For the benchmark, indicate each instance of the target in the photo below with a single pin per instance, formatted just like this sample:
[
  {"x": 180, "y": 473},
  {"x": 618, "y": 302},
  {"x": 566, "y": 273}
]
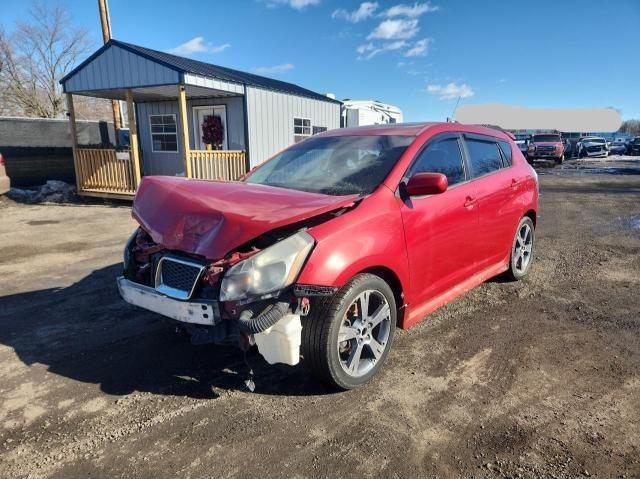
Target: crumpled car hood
[{"x": 211, "y": 218}]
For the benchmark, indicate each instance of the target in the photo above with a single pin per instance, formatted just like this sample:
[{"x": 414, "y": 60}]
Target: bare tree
[
  {"x": 34, "y": 58},
  {"x": 630, "y": 126}
]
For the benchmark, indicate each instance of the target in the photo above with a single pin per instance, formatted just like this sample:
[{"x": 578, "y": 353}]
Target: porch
[
  {"x": 116, "y": 173},
  {"x": 165, "y": 107}
]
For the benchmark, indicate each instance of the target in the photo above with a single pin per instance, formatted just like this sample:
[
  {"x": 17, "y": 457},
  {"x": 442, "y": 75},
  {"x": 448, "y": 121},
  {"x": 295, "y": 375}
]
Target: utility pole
[{"x": 106, "y": 36}]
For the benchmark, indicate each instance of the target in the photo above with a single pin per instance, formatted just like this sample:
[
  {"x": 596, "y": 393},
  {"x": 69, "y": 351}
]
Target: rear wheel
[
  {"x": 347, "y": 339},
  {"x": 521, "y": 250}
]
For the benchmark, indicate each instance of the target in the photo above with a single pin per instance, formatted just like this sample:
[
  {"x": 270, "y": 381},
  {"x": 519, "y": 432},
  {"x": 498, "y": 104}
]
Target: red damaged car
[{"x": 323, "y": 250}]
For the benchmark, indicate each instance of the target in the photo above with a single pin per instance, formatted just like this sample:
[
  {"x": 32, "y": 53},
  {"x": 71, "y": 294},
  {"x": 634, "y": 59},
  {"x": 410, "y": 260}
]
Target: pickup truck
[{"x": 546, "y": 146}]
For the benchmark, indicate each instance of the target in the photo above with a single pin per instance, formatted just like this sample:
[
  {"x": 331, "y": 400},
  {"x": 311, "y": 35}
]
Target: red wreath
[{"x": 212, "y": 131}]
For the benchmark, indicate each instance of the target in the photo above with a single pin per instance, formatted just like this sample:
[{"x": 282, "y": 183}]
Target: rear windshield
[
  {"x": 543, "y": 138},
  {"x": 338, "y": 165}
]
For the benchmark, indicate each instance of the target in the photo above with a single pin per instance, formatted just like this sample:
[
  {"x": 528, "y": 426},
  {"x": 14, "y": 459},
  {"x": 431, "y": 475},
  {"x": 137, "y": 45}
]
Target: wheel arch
[
  {"x": 391, "y": 278},
  {"x": 533, "y": 216}
]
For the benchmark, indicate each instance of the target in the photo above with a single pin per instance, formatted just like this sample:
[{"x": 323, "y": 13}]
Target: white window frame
[
  {"x": 197, "y": 131},
  {"x": 303, "y": 135},
  {"x": 151, "y": 133}
]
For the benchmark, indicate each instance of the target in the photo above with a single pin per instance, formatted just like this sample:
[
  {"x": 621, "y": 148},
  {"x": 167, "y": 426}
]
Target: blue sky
[{"x": 421, "y": 56}]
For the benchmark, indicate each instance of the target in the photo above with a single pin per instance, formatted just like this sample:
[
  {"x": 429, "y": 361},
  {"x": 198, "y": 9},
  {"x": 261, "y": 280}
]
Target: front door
[
  {"x": 200, "y": 113},
  {"x": 441, "y": 229}
]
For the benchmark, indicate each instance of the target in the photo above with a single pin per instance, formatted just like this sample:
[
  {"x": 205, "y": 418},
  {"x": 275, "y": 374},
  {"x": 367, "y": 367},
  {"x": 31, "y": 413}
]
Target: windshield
[
  {"x": 543, "y": 138},
  {"x": 333, "y": 165}
]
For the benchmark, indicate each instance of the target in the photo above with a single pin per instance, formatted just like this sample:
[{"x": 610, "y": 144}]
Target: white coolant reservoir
[{"x": 281, "y": 342}]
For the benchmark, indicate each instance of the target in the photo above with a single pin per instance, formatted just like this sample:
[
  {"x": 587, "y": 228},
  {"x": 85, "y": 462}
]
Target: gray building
[{"x": 171, "y": 96}]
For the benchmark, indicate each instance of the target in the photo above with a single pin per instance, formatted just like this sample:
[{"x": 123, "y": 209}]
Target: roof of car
[{"x": 413, "y": 129}]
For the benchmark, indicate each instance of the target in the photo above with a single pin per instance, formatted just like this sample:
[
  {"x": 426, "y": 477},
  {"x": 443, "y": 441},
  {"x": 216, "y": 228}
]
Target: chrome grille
[
  {"x": 177, "y": 277},
  {"x": 545, "y": 148}
]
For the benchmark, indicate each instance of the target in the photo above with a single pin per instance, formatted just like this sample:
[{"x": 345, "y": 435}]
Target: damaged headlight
[
  {"x": 272, "y": 269},
  {"x": 128, "y": 247}
]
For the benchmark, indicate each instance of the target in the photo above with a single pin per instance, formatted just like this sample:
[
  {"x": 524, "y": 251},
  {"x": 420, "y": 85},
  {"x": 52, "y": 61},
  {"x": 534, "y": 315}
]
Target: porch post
[
  {"x": 74, "y": 138},
  {"x": 184, "y": 129},
  {"x": 133, "y": 137}
]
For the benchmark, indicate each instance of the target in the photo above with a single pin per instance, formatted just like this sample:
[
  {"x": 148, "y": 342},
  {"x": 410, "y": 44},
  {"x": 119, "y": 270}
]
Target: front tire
[
  {"x": 346, "y": 339},
  {"x": 521, "y": 250},
  {"x": 560, "y": 160}
]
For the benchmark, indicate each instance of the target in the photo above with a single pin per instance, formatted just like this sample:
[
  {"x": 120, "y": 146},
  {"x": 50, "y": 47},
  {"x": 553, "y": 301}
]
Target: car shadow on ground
[{"x": 85, "y": 332}]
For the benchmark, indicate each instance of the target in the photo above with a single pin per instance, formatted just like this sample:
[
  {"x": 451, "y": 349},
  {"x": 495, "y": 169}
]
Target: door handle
[{"x": 470, "y": 202}]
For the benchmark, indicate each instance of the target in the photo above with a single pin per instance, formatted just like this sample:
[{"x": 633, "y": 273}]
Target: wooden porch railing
[
  {"x": 103, "y": 172},
  {"x": 227, "y": 165}
]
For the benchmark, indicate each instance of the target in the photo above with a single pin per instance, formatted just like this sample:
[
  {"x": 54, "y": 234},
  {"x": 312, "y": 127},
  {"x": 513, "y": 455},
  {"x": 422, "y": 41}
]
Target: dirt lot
[{"x": 533, "y": 379}]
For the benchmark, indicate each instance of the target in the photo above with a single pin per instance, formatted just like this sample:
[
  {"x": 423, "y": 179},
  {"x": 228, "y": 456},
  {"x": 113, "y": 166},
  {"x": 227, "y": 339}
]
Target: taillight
[{"x": 1, "y": 160}]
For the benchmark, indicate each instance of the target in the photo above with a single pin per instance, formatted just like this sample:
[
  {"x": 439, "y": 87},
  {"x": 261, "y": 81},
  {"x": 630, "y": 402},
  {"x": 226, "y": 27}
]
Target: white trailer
[{"x": 369, "y": 112}]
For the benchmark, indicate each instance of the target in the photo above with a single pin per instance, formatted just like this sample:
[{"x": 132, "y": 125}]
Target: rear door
[
  {"x": 440, "y": 229},
  {"x": 497, "y": 185}
]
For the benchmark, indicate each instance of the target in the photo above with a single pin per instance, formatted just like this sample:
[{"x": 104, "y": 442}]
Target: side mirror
[{"x": 422, "y": 184}]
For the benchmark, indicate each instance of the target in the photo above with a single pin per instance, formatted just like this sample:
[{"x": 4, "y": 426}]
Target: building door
[{"x": 199, "y": 115}]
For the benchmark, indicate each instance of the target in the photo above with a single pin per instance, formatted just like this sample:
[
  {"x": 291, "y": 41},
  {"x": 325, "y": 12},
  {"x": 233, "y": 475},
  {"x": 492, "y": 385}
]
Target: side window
[
  {"x": 483, "y": 156},
  {"x": 441, "y": 156},
  {"x": 505, "y": 146}
]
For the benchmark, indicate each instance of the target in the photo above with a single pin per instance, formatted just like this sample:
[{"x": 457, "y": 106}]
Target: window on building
[
  {"x": 484, "y": 156},
  {"x": 441, "y": 156},
  {"x": 164, "y": 133},
  {"x": 319, "y": 129},
  {"x": 506, "y": 152},
  {"x": 301, "y": 129}
]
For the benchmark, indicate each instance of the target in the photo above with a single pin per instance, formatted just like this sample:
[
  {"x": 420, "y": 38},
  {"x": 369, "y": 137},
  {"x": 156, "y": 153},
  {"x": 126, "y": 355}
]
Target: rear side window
[
  {"x": 483, "y": 156},
  {"x": 506, "y": 152},
  {"x": 441, "y": 156}
]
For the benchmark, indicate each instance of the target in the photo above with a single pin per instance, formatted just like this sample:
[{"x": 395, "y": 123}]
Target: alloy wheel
[
  {"x": 364, "y": 333},
  {"x": 523, "y": 248}
]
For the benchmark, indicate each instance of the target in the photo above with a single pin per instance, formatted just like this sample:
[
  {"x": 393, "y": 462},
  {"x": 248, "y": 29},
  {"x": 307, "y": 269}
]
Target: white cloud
[
  {"x": 370, "y": 50},
  {"x": 296, "y": 4},
  {"x": 198, "y": 45},
  {"x": 451, "y": 91},
  {"x": 419, "y": 48},
  {"x": 395, "y": 29},
  {"x": 275, "y": 69},
  {"x": 364, "y": 11},
  {"x": 412, "y": 11}
]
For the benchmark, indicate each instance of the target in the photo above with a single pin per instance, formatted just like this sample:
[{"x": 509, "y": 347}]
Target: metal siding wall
[
  {"x": 158, "y": 163},
  {"x": 119, "y": 68},
  {"x": 271, "y": 114}
]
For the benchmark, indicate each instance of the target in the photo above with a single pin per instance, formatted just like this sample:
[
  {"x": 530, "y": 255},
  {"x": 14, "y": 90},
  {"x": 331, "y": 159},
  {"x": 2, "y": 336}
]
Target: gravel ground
[{"x": 533, "y": 379}]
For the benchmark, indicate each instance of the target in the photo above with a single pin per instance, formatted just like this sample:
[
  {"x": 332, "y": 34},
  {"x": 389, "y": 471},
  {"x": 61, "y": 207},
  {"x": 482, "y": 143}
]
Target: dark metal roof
[{"x": 187, "y": 65}]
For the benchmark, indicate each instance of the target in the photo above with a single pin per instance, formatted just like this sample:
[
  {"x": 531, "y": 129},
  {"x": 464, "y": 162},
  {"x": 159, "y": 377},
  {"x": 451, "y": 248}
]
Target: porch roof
[{"x": 118, "y": 66}]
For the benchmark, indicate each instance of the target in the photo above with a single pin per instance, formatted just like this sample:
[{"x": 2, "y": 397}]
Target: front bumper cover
[{"x": 194, "y": 312}]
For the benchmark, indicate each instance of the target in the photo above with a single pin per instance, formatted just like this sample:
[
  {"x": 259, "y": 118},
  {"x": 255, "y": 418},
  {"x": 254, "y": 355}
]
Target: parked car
[
  {"x": 523, "y": 146},
  {"x": 619, "y": 146},
  {"x": 328, "y": 246},
  {"x": 592, "y": 146},
  {"x": 546, "y": 146},
  {"x": 5, "y": 183},
  {"x": 634, "y": 146}
]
